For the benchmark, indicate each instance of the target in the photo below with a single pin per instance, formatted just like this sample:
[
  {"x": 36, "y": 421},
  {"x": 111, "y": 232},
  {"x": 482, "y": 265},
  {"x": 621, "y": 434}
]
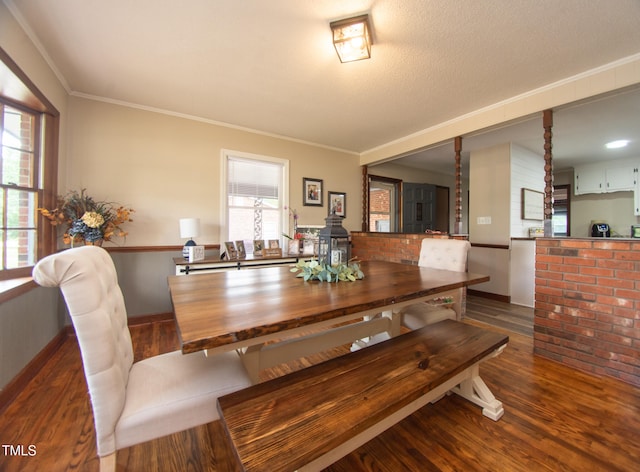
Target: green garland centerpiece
[{"x": 314, "y": 270}]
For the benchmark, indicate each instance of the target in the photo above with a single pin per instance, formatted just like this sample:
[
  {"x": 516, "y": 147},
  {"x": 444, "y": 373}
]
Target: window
[
  {"x": 383, "y": 204},
  {"x": 256, "y": 195},
  {"x": 19, "y": 178},
  {"x": 28, "y": 171}
]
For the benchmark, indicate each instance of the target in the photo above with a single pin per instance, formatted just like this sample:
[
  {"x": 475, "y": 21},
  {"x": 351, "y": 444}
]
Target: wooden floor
[
  {"x": 556, "y": 419},
  {"x": 515, "y": 318}
]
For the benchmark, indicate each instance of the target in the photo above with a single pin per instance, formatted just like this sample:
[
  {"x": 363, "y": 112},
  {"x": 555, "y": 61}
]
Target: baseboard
[
  {"x": 489, "y": 295},
  {"x": 20, "y": 381}
]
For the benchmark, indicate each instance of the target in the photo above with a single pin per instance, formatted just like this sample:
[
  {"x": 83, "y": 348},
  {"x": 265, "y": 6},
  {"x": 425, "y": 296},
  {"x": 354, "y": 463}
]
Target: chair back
[
  {"x": 448, "y": 254},
  {"x": 88, "y": 280}
]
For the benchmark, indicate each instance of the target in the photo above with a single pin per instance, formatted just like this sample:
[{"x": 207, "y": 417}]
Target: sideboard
[{"x": 208, "y": 265}]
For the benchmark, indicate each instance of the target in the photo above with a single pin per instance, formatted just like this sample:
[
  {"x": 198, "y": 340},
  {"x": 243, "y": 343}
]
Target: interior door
[{"x": 418, "y": 206}]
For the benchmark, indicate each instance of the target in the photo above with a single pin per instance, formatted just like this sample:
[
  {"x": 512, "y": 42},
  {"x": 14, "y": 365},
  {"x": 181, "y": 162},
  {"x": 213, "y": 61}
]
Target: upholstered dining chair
[
  {"x": 132, "y": 402},
  {"x": 436, "y": 253}
]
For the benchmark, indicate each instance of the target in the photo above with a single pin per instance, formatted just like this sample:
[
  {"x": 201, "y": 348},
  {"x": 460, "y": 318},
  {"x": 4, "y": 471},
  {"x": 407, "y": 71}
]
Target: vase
[{"x": 97, "y": 242}]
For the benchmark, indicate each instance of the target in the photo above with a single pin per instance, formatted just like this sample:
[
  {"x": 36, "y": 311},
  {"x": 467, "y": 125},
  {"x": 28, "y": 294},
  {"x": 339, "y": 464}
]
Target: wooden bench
[{"x": 313, "y": 417}]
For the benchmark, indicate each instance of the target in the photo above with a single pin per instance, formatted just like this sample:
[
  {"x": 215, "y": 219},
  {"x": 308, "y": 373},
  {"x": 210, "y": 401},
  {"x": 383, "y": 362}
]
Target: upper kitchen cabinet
[
  {"x": 621, "y": 178},
  {"x": 602, "y": 178},
  {"x": 589, "y": 179}
]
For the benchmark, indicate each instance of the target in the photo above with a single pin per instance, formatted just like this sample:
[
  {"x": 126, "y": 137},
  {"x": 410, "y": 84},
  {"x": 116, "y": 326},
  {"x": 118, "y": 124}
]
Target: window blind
[{"x": 253, "y": 178}]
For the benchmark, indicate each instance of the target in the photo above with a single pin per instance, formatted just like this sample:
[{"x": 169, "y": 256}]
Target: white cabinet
[
  {"x": 599, "y": 178},
  {"x": 589, "y": 179},
  {"x": 636, "y": 198},
  {"x": 621, "y": 178}
]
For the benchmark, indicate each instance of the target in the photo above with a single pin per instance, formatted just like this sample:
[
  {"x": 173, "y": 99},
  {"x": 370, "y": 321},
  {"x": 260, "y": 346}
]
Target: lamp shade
[{"x": 189, "y": 227}]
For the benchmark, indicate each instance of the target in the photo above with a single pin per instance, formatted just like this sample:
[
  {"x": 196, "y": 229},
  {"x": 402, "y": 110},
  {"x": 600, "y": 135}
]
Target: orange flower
[{"x": 87, "y": 219}]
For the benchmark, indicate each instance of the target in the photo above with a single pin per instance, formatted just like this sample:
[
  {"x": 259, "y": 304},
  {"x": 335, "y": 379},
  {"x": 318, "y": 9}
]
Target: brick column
[{"x": 587, "y": 308}]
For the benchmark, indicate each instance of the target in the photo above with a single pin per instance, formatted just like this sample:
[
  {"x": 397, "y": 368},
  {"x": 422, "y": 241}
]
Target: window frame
[
  {"x": 21, "y": 93},
  {"x": 395, "y": 203},
  {"x": 228, "y": 154}
]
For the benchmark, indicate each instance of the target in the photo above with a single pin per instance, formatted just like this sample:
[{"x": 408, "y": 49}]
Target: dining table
[{"x": 271, "y": 316}]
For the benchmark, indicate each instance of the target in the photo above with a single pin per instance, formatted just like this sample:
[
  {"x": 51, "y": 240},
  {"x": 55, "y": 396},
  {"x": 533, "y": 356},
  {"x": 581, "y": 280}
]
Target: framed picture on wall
[
  {"x": 337, "y": 203},
  {"x": 532, "y": 205},
  {"x": 311, "y": 192}
]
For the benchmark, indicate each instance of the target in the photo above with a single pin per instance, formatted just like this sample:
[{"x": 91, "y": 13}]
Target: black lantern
[{"x": 334, "y": 246}]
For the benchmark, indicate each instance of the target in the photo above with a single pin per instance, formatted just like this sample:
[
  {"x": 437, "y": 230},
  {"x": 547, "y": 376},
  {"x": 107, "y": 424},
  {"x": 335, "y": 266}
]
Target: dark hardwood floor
[{"x": 556, "y": 419}]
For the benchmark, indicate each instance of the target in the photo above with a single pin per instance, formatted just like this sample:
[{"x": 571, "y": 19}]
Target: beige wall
[
  {"x": 167, "y": 167},
  {"x": 490, "y": 201},
  {"x": 490, "y": 195},
  {"x": 22, "y": 51}
]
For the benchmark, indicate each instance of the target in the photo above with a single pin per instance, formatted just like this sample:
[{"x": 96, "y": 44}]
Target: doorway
[{"x": 561, "y": 210}]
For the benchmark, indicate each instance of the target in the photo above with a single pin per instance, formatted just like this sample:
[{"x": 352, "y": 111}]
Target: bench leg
[
  {"x": 251, "y": 360},
  {"x": 476, "y": 391}
]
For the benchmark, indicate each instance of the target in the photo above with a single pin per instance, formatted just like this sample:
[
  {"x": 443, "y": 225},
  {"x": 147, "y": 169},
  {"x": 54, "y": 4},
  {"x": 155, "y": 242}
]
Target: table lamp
[{"x": 189, "y": 229}]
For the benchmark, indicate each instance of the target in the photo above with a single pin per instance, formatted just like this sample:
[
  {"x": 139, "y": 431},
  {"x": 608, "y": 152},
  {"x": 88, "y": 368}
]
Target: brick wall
[
  {"x": 379, "y": 207},
  {"x": 394, "y": 247},
  {"x": 587, "y": 308}
]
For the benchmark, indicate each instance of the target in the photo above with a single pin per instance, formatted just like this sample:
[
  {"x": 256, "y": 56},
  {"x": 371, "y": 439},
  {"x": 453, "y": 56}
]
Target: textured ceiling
[{"x": 270, "y": 66}]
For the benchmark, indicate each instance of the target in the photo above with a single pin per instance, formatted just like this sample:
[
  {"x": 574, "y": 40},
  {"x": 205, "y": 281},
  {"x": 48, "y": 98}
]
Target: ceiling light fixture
[
  {"x": 352, "y": 38},
  {"x": 620, "y": 143}
]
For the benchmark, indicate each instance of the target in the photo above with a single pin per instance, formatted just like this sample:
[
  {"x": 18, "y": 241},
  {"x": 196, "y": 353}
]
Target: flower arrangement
[
  {"x": 87, "y": 220},
  {"x": 314, "y": 270}
]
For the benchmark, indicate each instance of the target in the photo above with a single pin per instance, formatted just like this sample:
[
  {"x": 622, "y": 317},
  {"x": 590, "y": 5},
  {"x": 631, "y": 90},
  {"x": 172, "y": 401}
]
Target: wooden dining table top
[{"x": 225, "y": 308}]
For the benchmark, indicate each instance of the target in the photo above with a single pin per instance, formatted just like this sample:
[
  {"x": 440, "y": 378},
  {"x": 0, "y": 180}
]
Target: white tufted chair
[
  {"x": 132, "y": 403},
  {"x": 448, "y": 254}
]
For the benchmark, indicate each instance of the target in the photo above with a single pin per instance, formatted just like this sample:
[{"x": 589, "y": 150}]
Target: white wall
[{"x": 527, "y": 171}]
